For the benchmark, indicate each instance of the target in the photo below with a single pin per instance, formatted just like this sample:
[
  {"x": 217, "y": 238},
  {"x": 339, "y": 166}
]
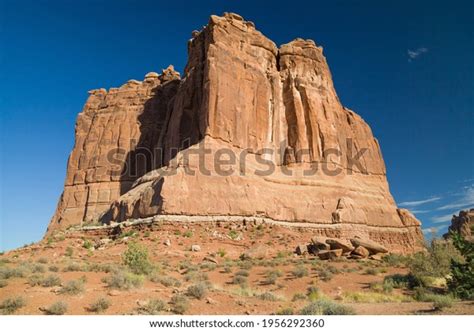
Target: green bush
[
  {"x": 179, "y": 304},
  {"x": 136, "y": 258},
  {"x": 87, "y": 244},
  {"x": 99, "y": 306},
  {"x": 69, "y": 251},
  {"x": 435, "y": 262},
  {"x": 57, "y": 308},
  {"x": 11, "y": 305},
  {"x": 402, "y": 281},
  {"x": 240, "y": 280},
  {"x": 442, "y": 301},
  {"x": 325, "y": 275},
  {"x": 326, "y": 307},
  {"x": 123, "y": 280},
  {"x": 461, "y": 283},
  {"x": 313, "y": 293},
  {"x": 285, "y": 311}
]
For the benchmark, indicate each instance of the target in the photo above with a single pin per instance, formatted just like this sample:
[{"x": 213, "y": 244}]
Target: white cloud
[
  {"x": 413, "y": 54},
  {"x": 435, "y": 229},
  {"x": 466, "y": 200},
  {"x": 442, "y": 218},
  {"x": 418, "y": 202}
]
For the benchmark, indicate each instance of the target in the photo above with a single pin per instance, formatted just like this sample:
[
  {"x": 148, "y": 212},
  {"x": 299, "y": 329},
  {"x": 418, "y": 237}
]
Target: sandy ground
[{"x": 224, "y": 297}]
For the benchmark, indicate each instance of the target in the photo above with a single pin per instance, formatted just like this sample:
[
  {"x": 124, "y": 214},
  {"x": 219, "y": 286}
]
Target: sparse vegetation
[
  {"x": 73, "y": 287},
  {"x": 325, "y": 275},
  {"x": 188, "y": 234},
  {"x": 69, "y": 251},
  {"x": 300, "y": 271},
  {"x": 3, "y": 283},
  {"x": 179, "y": 304},
  {"x": 198, "y": 290},
  {"x": 374, "y": 297},
  {"x": 221, "y": 252},
  {"x": 53, "y": 268},
  {"x": 11, "y": 305},
  {"x": 136, "y": 258},
  {"x": 298, "y": 297},
  {"x": 42, "y": 260},
  {"x": 153, "y": 307},
  {"x": 122, "y": 280},
  {"x": 272, "y": 276},
  {"x": 267, "y": 296},
  {"x": 326, "y": 307},
  {"x": 165, "y": 280},
  {"x": 233, "y": 234},
  {"x": 99, "y": 306},
  {"x": 57, "y": 308},
  {"x": 87, "y": 244},
  {"x": 285, "y": 311},
  {"x": 73, "y": 267},
  {"x": 313, "y": 293}
]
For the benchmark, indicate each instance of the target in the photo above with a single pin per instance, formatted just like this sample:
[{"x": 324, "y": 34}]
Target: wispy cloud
[
  {"x": 413, "y": 54},
  {"x": 466, "y": 200},
  {"x": 442, "y": 218},
  {"x": 418, "y": 202},
  {"x": 420, "y": 211}
]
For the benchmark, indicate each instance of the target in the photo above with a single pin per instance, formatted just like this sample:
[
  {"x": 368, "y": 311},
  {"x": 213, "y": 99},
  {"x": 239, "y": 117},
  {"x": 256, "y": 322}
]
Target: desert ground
[{"x": 202, "y": 269}]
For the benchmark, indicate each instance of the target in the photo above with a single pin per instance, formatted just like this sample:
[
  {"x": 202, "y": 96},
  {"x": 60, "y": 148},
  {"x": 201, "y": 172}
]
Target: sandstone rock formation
[
  {"x": 149, "y": 148},
  {"x": 463, "y": 224}
]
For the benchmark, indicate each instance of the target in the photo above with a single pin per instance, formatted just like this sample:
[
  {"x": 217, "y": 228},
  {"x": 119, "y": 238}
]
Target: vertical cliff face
[{"x": 300, "y": 157}]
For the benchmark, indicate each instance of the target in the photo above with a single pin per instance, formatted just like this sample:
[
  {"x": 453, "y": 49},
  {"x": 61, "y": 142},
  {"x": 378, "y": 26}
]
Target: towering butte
[{"x": 295, "y": 156}]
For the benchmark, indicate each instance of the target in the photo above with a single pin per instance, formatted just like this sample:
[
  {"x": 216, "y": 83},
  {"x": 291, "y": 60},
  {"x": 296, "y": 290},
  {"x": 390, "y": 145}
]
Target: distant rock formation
[
  {"x": 463, "y": 224},
  {"x": 150, "y": 148}
]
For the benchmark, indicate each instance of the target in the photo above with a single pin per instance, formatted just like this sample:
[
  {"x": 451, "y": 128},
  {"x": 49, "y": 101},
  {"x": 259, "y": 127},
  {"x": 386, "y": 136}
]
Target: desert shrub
[
  {"x": 87, "y": 244},
  {"x": 374, "y": 297},
  {"x": 35, "y": 280},
  {"x": 285, "y": 311},
  {"x": 243, "y": 273},
  {"x": 123, "y": 280},
  {"x": 74, "y": 267},
  {"x": 272, "y": 276},
  {"x": 394, "y": 260},
  {"x": 50, "y": 281},
  {"x": 18, "y": 272},
  {"x": 326, "y": 307},
  {"x": 136, "y": 258},
  {"x": 11, "y": 305},
  {"x": 208, "y": 265},
  {"x": 42, "y": 260},
  {"x": 221, "y": 252},
  {"x": 98, "y": 267},
  {"x": 99, "y": 306},
  {"x": 245, "y": 264},
  {"x": 401, "y": 281},
  {"x": 325, "y": 275},
  {"x": 195, "y": 276},
  {"x": 125, "y": 234},
  {"x": 442, "y": 301},
  {"x": 233, "y": 234},
  {"x": 3, "y": 283},
  {"x": 372, "y": 271},
  {"x": 69, "y": 251},
  {"x": 435, "y": 262},
  {"x": 53, "y": 268},
  {"x": 298, "y": 297},
  {"x": 165, "y": 280},
  {"x": 57, "y": 308},
  {"x": 240, "y": 280},
  {"x": 188, "y": 234},
  {"x": 299, "y": 271},
  {"x": 179, "y": 304},
  {"x": 73, "y": 287},
  {"x": 198, "y": 290},
  {"x": 382, "y": 287},
  {"x": 313, "y": 293},
  {"x": 461, "y": 283},
  {"x": 153, "y": 307},
  {"x": 267, "y": 296}
]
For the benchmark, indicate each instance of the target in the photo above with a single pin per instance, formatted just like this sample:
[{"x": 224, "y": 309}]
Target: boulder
[
  {"x": 258, "y": 252},
  {"x": 370, "y": 245},
  {"x": 195, "y": 248},
  {"x": 320, "y": 243},
  {"x": 301, "y": 249},
  {"x": 330, "y": 255},
  {"x": 345, "y": 245},
  {"x": 360, "y": 251}
]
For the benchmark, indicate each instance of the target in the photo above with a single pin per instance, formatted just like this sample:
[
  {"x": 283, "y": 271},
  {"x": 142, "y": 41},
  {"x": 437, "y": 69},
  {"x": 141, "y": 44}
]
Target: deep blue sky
[{"x": 420, "y": 108}]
